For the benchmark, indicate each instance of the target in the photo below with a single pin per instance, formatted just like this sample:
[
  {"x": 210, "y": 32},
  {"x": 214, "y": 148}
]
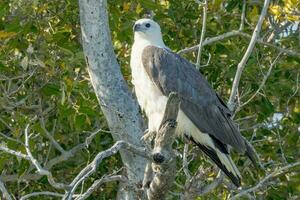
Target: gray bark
[
  {"x": 117, "y": 103},
  {"x": 164, "y": 165}
]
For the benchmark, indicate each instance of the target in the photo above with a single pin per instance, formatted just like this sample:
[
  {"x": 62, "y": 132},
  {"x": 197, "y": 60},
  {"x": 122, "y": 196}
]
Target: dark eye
[{"x": 148, "y": 25}]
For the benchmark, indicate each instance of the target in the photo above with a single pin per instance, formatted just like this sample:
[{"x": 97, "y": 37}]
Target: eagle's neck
[{"x": 154, "y": 40}]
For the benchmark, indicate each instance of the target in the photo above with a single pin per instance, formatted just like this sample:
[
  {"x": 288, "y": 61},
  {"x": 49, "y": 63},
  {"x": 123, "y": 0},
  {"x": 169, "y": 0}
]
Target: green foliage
[{"x": 43, "y": 75}]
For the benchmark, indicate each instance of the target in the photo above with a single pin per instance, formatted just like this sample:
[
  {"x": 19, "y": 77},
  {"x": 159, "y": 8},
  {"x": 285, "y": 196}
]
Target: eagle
[{"x": 203, "y": 117}]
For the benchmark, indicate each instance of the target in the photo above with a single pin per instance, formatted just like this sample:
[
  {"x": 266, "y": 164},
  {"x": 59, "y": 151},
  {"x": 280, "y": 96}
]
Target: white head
[{"x": 149, "y": 31}]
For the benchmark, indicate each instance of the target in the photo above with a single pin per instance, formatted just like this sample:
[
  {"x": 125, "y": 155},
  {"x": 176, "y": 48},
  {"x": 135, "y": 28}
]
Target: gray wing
[{"x": 172, "y": 73}]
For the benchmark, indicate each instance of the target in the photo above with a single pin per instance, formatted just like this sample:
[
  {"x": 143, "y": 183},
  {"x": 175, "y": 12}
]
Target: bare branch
[
  {"x": 262, "y": 83},
  {"x": 202, "y": 34},
  {"x": 32, "y": 159},
  {"x": 280, "y": 49},
  {"x": 74, "y": 150},
  {"x": 92, "y": 167},
  {"x": 196, "y": 185},
  {"x": 37, "y": 165},
  {"x": 99, "y": 182},
  {"x": 10, "y": 138},
  {"x": 210, "y": 187},
  {"x": 208, "y": 41},
  {"x": 5, "y": 193},
  {"x": 243, "y": 16},
  {"x": 280, "y": 142},
  {"x": 185, "y": 162},
  {"x": 15, "y": 153},
  {"x": 46, "y": 193},
  {"x": 63, "y": 157},
  {"x": 164, "y": 165},
  {"x": 261, "y": 183},
  {"x": 23, "y": 83},
  {"x": 89, "y": 139},
  {"x": 223, "y": 36},
  {"x": 16, "y": 177},
  {"x": 50, "y": 137},
  {"x": 246, "y": 56},
  {"x": 295, "y": 92}
]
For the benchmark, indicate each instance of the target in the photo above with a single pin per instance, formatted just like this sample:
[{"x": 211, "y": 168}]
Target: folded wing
[{"x": 172, "y": 73}]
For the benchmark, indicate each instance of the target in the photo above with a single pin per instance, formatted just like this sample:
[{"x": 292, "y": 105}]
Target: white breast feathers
[{"x": 151, "y": 100}]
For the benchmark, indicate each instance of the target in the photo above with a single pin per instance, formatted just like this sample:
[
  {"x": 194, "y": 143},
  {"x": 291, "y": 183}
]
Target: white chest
[{"x": 151, "y": 100}]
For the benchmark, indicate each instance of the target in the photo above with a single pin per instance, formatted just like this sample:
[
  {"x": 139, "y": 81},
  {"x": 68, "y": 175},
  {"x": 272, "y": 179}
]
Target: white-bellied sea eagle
[{"x": 203, "y": 117}]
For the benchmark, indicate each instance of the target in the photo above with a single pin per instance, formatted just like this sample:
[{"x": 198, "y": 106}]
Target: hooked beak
[{"x": 137, "y": 27}]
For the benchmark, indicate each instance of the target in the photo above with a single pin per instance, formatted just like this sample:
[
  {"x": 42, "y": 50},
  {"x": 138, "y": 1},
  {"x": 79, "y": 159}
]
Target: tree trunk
[{"x": 117, "y": 103}]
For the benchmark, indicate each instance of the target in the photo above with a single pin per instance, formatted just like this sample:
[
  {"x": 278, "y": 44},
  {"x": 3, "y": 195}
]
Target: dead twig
[
  {"x": 202, "y": 34},
  {"x": 5, "y": 193},
  {"x": 246, "y": 56},
  {"x": 262, "y": 83},
  {"x": 46, "y": 193},
  {"x": 261, "y": 183},
  {"x": 99, "y": 182},
  {"x": 92, "y": 167},
  {"x": 37, "y": 165}
]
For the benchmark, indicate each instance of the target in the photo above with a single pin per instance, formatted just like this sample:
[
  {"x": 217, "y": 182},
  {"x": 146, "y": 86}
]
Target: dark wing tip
[
  {"x": 224, "y": 129},
  {"x": 252, "y": 155},
  {"x": 212, "y": 154}
]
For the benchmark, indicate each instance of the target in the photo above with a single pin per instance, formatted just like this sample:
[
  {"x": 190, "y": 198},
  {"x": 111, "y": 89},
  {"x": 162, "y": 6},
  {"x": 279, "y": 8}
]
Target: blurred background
[{"x": 44, "y": 81}]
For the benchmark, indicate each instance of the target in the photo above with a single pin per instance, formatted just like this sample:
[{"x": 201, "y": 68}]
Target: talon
[
  {"x": 172, "y": 123},
  {"x": 148, "y": 135},
  {"x": 146, "y": 131}
]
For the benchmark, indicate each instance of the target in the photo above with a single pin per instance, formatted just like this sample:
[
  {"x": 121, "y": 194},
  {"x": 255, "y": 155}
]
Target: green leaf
[
  {"x": 51, "y": 89},
  {"x": 231, "y": 5}
]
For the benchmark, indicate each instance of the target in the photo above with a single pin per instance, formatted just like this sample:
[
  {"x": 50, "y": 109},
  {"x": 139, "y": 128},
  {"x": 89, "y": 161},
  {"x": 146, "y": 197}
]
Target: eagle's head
[{"x": 147, "y": 29}]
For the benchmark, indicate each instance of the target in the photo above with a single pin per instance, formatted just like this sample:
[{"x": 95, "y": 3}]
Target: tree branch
[
  {"x": 208, "y": 41},
  {"x": 37, "y": 165},
  {"x": 27, "y": 196},
  {"x": 63, "y": 157},
  {"x": 117, "y": 103},
  {"x": 32, "y": 159},
  {"x": 15, "y": 153},
  {"x": 92, "y": 167},
  {"x": 280, "y": 49},
  {"x": 50, "y": 137},
  {"x": 223, "y": 36},
  {"x": 164, "y": 165},
  {"x": 185, "y": 162},
  {"x": 262, "y": 83},
  {"x": 202, "y": 34},
  {"x": 196, "y": 185},
  {"x": 99, "y": 182},
  {"x": 210, "y": 187},
  {"x": 246, "y": 56},
  {"x": 277, "y": 172},
  {"x": 5, "y": 193},
  {"x": 243, "y": 16}
]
